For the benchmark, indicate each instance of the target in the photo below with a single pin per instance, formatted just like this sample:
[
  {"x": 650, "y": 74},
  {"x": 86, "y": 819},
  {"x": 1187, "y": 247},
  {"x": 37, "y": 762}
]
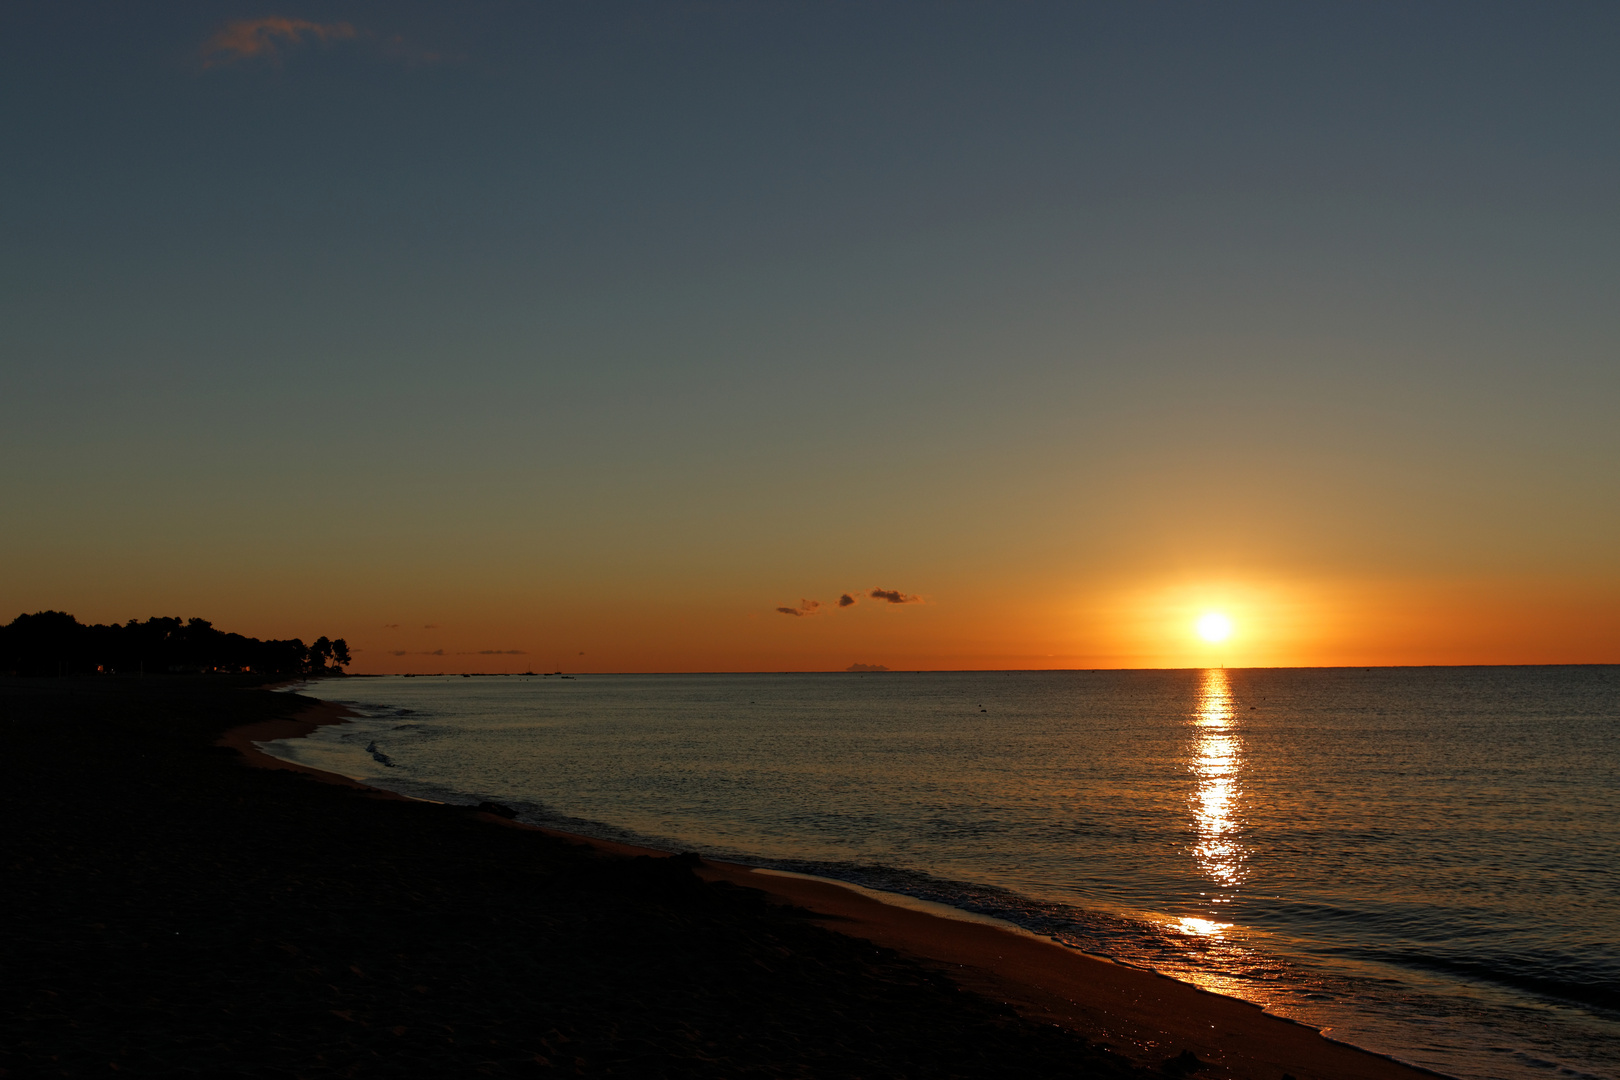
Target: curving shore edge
[{"x": 1145, "y": 1017}]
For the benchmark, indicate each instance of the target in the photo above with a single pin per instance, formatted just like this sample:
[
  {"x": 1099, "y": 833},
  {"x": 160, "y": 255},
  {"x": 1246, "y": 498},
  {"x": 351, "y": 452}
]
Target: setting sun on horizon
[
  {"x": 1028, "y": 341},
  {"x": 1095, "y": 456}
]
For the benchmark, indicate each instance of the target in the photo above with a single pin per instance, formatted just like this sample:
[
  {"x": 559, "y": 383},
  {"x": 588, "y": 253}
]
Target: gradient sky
[{"x": 496, "y": 336}]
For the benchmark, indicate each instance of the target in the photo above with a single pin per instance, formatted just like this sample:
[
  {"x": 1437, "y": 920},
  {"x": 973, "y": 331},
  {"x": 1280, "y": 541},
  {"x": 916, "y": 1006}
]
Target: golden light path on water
[
  {"x": 1217, "y": 759},
  {"x": 1216, "y": 762}
]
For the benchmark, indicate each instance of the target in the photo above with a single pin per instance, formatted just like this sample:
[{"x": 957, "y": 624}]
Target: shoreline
[{"x": 1146, "y": 1017}]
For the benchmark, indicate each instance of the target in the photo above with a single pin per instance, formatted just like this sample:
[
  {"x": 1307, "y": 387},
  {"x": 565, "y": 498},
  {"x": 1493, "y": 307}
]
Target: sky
[{"x": 498, "y": 336}]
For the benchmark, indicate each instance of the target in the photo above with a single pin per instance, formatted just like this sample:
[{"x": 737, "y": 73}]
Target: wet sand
[{"x": 1143, "y": 1016}]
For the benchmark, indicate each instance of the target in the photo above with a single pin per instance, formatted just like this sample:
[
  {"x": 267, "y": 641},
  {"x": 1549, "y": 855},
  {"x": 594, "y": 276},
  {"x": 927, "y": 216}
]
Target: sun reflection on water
[
  {"x": 1201, "y": 927},
  {"x": 1216, "y": 762},
  {"x": 1217, "y": 952}
]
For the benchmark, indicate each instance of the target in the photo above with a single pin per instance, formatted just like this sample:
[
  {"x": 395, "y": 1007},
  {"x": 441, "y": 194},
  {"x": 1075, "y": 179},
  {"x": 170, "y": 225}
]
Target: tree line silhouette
[{"x": 55, "y": 643}]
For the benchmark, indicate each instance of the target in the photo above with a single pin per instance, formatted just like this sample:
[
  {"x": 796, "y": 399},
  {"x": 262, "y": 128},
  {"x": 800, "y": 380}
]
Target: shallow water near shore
[{"x": 1424, "y": 861}]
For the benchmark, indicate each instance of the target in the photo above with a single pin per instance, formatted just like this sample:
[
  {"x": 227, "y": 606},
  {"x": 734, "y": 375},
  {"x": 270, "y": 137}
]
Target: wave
[
  {"x": 1560, "y": 978},
  {"x": 1471, "y": 969}
]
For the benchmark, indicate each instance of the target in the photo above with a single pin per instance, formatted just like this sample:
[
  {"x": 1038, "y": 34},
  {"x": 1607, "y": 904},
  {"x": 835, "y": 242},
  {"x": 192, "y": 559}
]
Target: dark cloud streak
[{"x": 894, "y": 596}]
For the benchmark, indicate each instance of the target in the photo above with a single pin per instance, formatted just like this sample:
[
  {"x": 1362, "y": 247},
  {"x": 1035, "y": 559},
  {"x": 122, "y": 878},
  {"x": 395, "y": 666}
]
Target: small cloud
[
  {"x": 391, "y": 626},
  {"x": 806, "y": 607},
  {"x": 396, "y": 652},
  {"x": 246, "y": 39},
  {"x": 430, "y": 626},
  {"x": 866, "y": 667},
  {"x": 846, "y": 601},
  {"x": 435, "y": 652},
  {"x": 894, "y": 596},
  {"x": 495, "y": 652}
]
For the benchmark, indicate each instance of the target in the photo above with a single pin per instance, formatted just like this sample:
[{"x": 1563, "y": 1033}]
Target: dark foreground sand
[{"x": 167, "y": 911}]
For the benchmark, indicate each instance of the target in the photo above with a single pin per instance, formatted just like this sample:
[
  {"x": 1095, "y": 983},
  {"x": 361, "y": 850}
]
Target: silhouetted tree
[{"x": 55, "y": 643}]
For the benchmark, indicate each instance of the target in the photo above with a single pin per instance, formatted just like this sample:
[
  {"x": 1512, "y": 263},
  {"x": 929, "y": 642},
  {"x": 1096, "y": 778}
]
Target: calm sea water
[{"x": 1424, "y": 861}]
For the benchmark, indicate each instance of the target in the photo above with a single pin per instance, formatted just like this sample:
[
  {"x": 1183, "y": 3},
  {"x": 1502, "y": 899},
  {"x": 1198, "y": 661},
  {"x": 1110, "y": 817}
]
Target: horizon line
[{"x": 967, "y": 671}]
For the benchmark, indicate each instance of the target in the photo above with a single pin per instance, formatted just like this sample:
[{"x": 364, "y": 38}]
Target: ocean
[{"x": 1423, "y": 861}]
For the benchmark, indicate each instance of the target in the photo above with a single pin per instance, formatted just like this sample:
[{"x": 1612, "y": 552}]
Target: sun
[{"x": 1214, "y": 627}]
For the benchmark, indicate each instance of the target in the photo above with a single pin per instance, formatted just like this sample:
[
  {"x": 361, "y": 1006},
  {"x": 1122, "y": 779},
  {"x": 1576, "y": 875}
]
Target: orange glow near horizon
[
  {"x": 968, "y": 623},
  {"x": 1232, "y": 623},
  {"x": 1316, "y": 622}
]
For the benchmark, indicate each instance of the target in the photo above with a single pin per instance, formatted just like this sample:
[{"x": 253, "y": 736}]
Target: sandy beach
[
  {"x": 1141, "y": 1015},
  {"x": 171, "y": 910}
]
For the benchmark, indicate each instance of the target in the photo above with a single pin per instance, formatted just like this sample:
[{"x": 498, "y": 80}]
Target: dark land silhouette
[
  {"x": 169, "y": 911},
  {"x": 55, "y": 643}
]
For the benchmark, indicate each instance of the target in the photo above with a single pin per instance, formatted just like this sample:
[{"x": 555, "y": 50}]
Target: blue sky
[{"x": 644, "y": 319}]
